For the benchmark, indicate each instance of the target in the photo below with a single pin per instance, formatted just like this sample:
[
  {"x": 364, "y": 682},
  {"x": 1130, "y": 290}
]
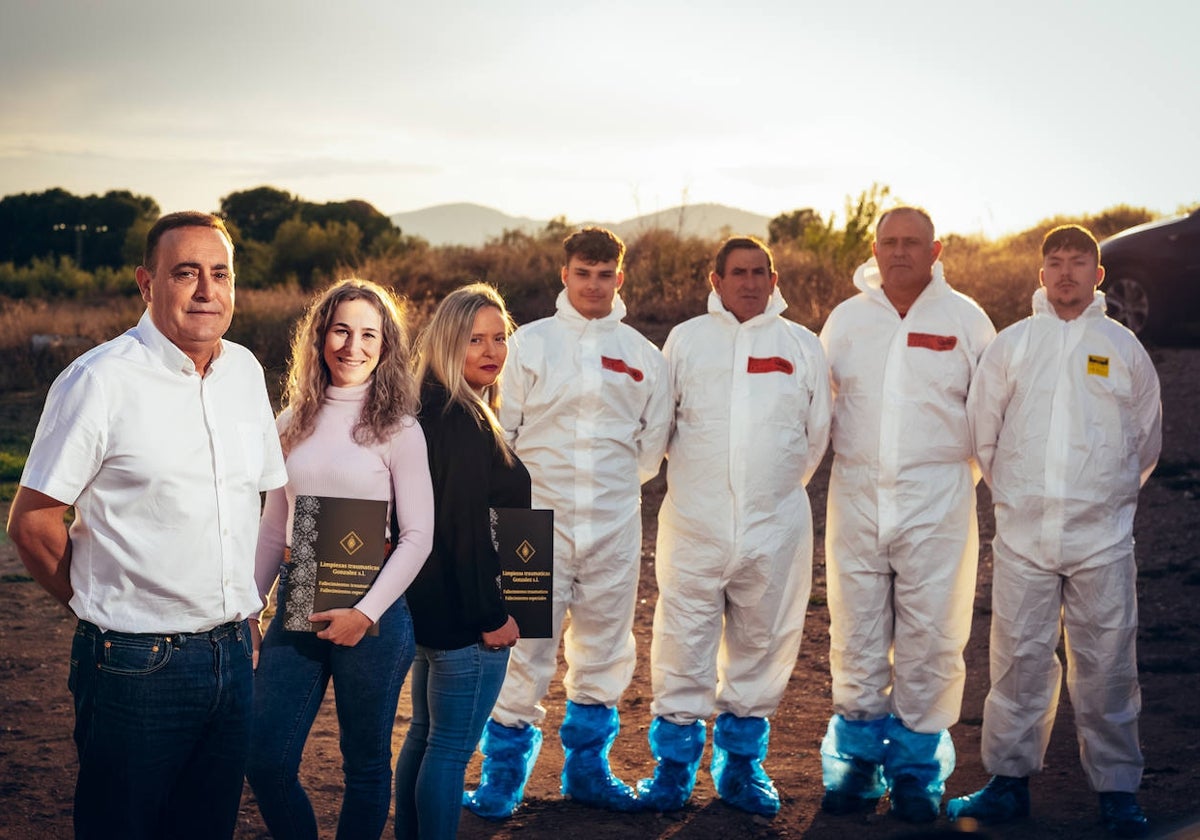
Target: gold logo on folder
[
  {"x": 351, "y": 543},
  {"x": 525, "y": 551}
]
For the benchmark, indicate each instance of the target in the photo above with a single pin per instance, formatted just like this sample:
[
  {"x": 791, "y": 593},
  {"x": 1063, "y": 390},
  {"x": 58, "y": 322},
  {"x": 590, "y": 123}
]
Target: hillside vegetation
[{"x": 286, "y": 248}]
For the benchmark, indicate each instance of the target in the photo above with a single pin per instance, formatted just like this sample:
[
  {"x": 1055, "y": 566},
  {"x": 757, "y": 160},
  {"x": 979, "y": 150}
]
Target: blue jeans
[
  {"x": 162, "y": 725},
  {"x": 453, "y": 694},
  {"x": 294, "y": 669}
]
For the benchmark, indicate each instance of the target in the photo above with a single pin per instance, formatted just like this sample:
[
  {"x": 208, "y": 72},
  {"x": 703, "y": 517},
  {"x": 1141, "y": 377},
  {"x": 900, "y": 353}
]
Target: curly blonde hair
[
  {"x": 442, "y": 355},
  {"x": 393, "y": 393}
]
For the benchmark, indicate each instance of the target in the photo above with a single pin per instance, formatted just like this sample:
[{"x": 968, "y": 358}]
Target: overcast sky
[{"x": 993, "y": 116}]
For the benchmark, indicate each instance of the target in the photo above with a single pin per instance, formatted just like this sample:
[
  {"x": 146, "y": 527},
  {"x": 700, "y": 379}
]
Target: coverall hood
[
  {"x": 867, "y": 278},
  {"x": 1043, "y": 308},
  {"x": 565, "y": 310},
  {"x": 775, "y": 306}
]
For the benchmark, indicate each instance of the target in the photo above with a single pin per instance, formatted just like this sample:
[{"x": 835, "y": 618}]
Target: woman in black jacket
[{"x": 462, "y": 628}]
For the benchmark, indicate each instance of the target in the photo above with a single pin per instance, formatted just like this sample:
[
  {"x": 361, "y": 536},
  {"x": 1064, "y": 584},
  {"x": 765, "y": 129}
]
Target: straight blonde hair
[{"x": 442, "y": 355}]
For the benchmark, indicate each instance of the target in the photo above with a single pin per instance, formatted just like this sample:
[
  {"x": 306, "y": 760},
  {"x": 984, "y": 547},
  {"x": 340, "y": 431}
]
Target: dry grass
[
  {"x": 98, "y": 321},
  {"x": 666, "y": 283},
  {"x": 262, "y": 322}
]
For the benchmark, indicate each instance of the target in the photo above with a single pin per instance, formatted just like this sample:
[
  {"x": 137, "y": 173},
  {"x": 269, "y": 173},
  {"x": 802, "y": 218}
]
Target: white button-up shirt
[{"x": 164, "y": 466}]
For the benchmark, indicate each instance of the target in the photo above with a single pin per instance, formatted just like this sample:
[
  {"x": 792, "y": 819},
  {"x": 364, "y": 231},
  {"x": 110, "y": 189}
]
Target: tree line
[{"x": 55, "y": 245}]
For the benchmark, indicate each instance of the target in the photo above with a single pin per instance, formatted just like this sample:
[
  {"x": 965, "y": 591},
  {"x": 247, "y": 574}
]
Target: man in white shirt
[
  {"x": 162, "y": 440},
  {"x": 1067, "y": 424}
]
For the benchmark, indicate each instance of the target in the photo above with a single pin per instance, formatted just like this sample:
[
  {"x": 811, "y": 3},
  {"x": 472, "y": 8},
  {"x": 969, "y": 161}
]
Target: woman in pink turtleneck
[{"x": 348, "y": 431}]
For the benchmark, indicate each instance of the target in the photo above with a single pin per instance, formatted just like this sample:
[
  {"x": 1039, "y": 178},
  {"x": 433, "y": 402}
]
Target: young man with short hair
[
  {"x": 1067, "y": 425},
  {"x": 586, "y": 404}
]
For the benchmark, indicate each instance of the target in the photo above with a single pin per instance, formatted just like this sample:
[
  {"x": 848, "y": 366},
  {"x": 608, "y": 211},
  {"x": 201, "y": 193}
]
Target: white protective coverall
[
  {"x": 901, "y": 535},
  {"x": 735, "y": 530},
  {"x": 587, "y": 408},
  {"x": 1067, "y": 423}
]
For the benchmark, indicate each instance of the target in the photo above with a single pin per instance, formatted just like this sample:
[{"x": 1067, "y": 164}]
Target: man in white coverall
[
  {"x": 1067, "y": 422},
  {"x": 735, "y": 535},
  {"x": 902, "y": 538},
  {"x": 586, "y": 404}
]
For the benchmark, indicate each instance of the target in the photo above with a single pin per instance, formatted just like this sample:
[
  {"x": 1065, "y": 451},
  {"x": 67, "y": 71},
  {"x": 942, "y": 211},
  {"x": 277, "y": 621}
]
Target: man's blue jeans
[
  {"x": 294, "y": 669},
  {"x": 453, "y": 694},
  {"x": 162, "y": 725}
]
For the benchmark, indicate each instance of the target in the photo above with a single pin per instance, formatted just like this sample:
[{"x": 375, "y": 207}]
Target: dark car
[{"x": 1152, "y": 278}]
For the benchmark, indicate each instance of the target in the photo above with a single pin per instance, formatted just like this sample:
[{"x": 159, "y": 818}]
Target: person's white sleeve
[
  {"x": 655, "y": 422},
  {"x": 412, "y": 492},
  {"x": 271, "y": 541},
  {"x": 982, "y": 336},
  {"x": 72, "y": 434},
  {"x": 826, "y": 338},
  {"x": 983, "y": 333},
  {"x": 1147, "y": 402},
  {"x": 674, "y": 391},
  {"x": 513, "y": 389},
  {"x": 987, "y": 402},
  {"x": 274, "y": 473},
  {"x": 820, "y": 409}
]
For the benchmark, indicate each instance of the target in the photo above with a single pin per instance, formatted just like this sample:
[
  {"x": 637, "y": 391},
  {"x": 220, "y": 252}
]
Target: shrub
[{"x": 667, "y": 279}]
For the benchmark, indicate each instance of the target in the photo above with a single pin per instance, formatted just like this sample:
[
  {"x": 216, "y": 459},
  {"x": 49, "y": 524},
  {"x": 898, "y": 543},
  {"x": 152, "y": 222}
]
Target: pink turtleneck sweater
[{"x": 330, "y": 463}]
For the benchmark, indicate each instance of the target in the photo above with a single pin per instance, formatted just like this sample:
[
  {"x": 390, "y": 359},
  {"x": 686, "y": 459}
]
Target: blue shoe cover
[
  {"x": 587, "y": 734},
  {"x": 1003, "y": 799},
  {"x": 508, "y": 757},
  {"x": 739, "y": 747},
  {"x": 852, "y": 754},
  {"x": 911, "y": 802},
  {"x": 915, "y": 768},
  {"x": 677, "y": 749},
  {"x": 1122, "y": 816}
]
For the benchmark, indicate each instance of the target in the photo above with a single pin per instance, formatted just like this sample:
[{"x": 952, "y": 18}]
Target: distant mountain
[
  {"x": 461, "y": 224},
  {"x": 474, "y": 224},
  {"x": 708, "y": 221}
]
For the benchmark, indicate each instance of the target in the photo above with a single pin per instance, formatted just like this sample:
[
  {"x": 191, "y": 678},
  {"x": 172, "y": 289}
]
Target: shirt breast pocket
[{"x": 250, "y": 455}]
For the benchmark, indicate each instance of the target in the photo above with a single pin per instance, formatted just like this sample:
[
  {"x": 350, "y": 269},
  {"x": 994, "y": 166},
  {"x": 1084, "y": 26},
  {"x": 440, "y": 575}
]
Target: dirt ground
[{"x": 37, "y": 760}]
